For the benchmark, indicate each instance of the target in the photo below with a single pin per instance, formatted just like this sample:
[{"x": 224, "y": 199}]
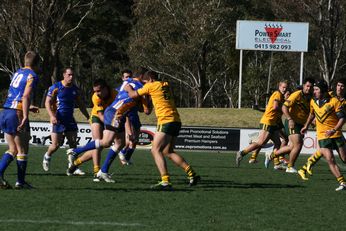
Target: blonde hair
[{"x": 31, "y": 59}]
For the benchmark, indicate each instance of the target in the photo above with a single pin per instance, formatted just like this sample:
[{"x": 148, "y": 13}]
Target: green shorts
[
  {"x": 94, "y": 119},
  {"x": 270, "y": 128},
  {"x": 171, "y": 128},
  {"x": 332, "y": 143},
  {"x": 295, "y": 130}
]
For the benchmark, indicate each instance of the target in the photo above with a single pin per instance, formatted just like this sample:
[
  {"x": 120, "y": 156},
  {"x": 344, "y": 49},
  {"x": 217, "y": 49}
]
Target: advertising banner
[{"x": 272, "y": 36}]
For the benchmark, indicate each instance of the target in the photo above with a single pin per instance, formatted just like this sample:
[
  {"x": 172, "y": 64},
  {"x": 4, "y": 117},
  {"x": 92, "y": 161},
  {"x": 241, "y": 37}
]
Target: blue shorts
[
  {"x": 134, "y": 120},
  {"x": 111, "y": 122},
  {"x": 9, "y": 121},
  {"x": 66, "y": 123}
]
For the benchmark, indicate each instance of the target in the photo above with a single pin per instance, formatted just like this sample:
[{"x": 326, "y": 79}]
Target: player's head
[
  {"x": 320, "y": 88},
  {"x": 149, "y": 76},
  {"x": 340, "y": 87},
  {"x": 139, "y": 72},
  {"x": 68, "y": 75},
  {"x": 283, "y": 86},
  {"x": 308, "y": 84},
  {"x": 101, "y": 88},
  {"x": 31, "y": 59},
  {"x": 125, "y": 74}
]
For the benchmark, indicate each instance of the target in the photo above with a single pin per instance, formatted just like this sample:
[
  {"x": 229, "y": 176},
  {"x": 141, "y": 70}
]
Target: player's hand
[
  {"x": 330, "y": 132},
  {"x": 34, "y": 109},
  {"x": 53, "y": 120},
  {"x": 22, "y": 124},
  {"x": 303, "y": 130}
]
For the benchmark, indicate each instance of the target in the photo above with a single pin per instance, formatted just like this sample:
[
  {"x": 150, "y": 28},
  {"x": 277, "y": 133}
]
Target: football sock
[
  {"x": 96, "y": 169},
  {"x": 165, "y": 178},
  {"x": 189, "y": 171},
  {"x": 7, "y": 158},
  {"x": 77, "y": 162},
  {"x": 255, "y": 154},
  {"x": 315, "y": 158},
  {"x": 276, "y": 160},
  {"x": 129, "y": 153},
  {"x": 109, "y": 159},
  {"x": 89, "y": 146},
  {"x": 341, "y": 179},
  {"x": 21, "y": 168}
]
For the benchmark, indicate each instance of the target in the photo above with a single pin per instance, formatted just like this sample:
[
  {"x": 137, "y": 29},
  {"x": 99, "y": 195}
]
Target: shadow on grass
[{"x": 208, "y": 184}]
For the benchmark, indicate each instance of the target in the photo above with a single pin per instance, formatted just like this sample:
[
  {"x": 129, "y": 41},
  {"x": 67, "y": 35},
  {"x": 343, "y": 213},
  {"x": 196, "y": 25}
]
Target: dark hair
[
  {"x": 150, "y": 75},
  {"x": 310, "y": 80},
  {"x": 67, "y": 68},
  {"x": 139, "y": 71},
  {"x": 341, "y": 80},
  {"x": 322, "y": 85},
  {"x": 126, "y": 71},
  {"x": 100, "y": 82}
]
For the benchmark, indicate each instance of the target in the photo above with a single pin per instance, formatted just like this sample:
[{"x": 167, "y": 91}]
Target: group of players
[
  {"x": 114, "y": 123},
  {"x": 313, "y": 104}
]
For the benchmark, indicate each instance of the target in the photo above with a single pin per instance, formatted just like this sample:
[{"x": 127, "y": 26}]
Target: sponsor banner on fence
[
  {"x": 217, "y": 139},
  {"x": 191, "y": 138},
  {"x": 248, "y": 135}
]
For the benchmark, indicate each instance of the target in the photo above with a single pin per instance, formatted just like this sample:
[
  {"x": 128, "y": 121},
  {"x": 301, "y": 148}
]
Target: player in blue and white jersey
[
  {"x": 132, "y": 125},
  {"x": 60, "y": 102},
  {"x": 14, "y": 119},
  {"x": 114, "y": 121}
]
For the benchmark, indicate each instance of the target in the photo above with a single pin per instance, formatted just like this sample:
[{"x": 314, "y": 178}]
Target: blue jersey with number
[
  {"x": 64, "y": 97},
  {"x": 24, "y": 77},
  {"x": 123, "y": 98}
]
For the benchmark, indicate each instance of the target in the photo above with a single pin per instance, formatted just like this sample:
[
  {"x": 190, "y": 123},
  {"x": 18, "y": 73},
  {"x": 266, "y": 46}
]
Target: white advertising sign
[
  {"x": 246, "y": 135},
  {"x": 272, "y": 36}
]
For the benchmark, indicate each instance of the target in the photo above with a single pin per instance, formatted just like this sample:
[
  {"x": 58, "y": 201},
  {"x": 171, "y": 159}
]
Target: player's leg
[
  {"x": 119, "y": 142},
  {"x": 128, "y": 133},
  {"x": 262, "y": 139},
  {"x": 334, "y": 168},
  {"x": 55, "y": 139},
  {"x": 160, "y": 141},
  {"x": 297, "y": 143},
  {"x": 7, "y": 158}
]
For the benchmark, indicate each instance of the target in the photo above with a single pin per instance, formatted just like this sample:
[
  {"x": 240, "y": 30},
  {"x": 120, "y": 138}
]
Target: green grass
[
  {"x": 228, "y": 198},
  {"x": 215, "y": 117}
]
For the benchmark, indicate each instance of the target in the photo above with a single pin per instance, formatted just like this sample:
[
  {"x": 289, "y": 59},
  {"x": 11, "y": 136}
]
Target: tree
[
  {"x": 327, "y": 25},
  {"x": 183, "y": 40},
  {"x": 40, "y": 25}
]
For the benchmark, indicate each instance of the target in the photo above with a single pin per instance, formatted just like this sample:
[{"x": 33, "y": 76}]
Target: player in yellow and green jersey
[
  {"x": 338, "y": 93},
  {"x": 296, "y": 110},
  {"x": 168, "y": 127},
  {"x": 269, "y": 123},
  {"x": 330, "y": 117}
]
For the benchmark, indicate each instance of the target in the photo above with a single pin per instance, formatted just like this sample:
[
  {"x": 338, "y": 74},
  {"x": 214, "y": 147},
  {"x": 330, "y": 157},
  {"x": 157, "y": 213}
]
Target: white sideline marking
[{"x": 69, "y": 222}]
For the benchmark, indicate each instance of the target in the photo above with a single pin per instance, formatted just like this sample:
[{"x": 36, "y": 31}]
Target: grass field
[{"x": 228, "y": 198}]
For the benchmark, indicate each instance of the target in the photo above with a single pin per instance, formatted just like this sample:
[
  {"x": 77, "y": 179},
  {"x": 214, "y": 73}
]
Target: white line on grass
[{"x": 69, "y": 222}]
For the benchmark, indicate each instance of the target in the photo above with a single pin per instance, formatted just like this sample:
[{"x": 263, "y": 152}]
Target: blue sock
[
  {"x": 129, "y": 153},
  {"x": 108, "y": 161},
  {"x": 5, "y": 162},
  {"x": 21, "y": 168},
  {"x": 124, "y": 151},
  {"x": 89, "y": 146}
]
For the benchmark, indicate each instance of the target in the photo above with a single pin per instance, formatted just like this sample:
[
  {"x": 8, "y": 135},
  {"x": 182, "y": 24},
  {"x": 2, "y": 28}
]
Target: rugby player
[
  {"x": 339, "y": 93},
  {"x": 296, "y": 110},
  {"x": 168, "y": 127},
  {"x": 330, "y": 116},
  {"x": 270, "y": 126},
  {"x": 60, "y": 102},
  {"x": 14, "y": 119}
]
